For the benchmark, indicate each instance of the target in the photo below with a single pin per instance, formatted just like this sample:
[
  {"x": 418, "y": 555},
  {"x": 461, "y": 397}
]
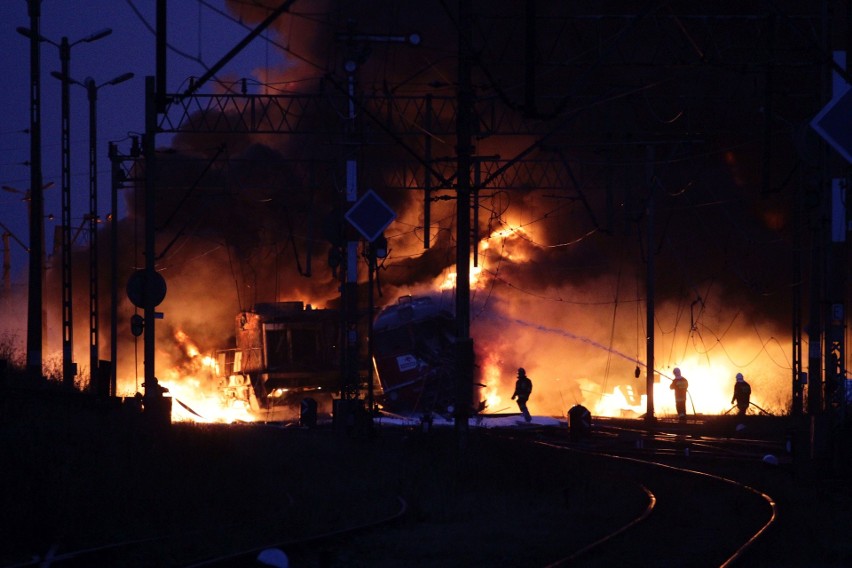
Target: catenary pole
[
  {"x": 34, "y": 296},
  {"x": 464, "y": 152},
  {"x": 650, "y": 291}
]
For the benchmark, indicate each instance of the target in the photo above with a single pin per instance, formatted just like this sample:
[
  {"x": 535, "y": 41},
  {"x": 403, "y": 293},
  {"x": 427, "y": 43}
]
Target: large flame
[
  {"x": 508, "y": 235},
  {"x": 568, "y": 314},
  {"x": 194, "y": 387},
  {"x": 491, "y": 379},
  {"x": 561, "y": 347}
]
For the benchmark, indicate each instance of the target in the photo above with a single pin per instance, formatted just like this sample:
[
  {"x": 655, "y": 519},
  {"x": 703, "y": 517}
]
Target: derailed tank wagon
[
  {"x": 286, "y": 353},
  {"x": 414, "y": 351}
]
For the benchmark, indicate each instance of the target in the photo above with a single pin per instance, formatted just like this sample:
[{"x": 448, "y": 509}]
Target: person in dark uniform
[
  {"x": 523, "y": 388},
  {"x": 680, "y": 385},
  {"x": 742, "y": 394}
]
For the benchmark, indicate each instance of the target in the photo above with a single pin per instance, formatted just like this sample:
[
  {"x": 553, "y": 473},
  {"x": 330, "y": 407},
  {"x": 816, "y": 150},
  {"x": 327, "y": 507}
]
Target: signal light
[{"x": 137, "y": 325}]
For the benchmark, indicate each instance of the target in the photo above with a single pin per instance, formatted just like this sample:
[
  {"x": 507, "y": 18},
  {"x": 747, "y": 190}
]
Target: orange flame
[
  {"x": 491, "y": 379},
  {"x": 487, "y": 253},
  {"x": 194, "y": 386}
]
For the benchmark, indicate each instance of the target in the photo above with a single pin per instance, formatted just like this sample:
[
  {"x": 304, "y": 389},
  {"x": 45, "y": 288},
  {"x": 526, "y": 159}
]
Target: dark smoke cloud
[{"x": 643, "y": 122}]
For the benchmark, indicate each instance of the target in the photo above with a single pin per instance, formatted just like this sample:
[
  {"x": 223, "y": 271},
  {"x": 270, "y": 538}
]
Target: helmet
[
  {"x": 739, "y": 376},
  {"x": 521, "y": 372},
  {"x": 676, "y": 371}
]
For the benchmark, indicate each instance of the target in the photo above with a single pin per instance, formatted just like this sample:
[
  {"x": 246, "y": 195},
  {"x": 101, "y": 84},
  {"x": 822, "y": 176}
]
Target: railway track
[
  {"x": 690, "y": 439},
  {"x": 693, "y": 518},
  {"x": 687, "y": 517},
  {"x": 684, "y": 505},
  {"x": 148, "y": 551},
  {"x": 694, "y": 515}
]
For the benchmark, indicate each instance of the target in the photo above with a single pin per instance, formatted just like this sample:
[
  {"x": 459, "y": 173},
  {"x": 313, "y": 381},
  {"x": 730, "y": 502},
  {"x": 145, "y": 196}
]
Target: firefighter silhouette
[
  {"x": 523, "y": 388},
  {"x": 742, "y": 394},
  {"x": 680, "y": 385}
]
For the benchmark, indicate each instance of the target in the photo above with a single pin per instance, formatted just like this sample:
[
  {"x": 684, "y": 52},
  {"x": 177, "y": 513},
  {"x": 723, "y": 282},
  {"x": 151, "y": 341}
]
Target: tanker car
[
  {"x": 287, "y": 352},
  {"x": 415, "y": 357}
]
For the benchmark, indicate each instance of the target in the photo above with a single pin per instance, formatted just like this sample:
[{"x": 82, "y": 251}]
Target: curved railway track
[
  {"x": 689, "y": 517},
  {"x": 689, "y": 439},
  {"x": 685, "y": 505},
  {"x": 693, "y": 518}
]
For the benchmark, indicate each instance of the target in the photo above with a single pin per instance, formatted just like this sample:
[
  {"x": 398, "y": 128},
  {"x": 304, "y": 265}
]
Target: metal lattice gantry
[{"x": 571, "y": 101}]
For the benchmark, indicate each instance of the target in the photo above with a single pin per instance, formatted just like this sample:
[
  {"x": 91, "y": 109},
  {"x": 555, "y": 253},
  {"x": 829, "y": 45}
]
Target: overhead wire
[
  {"x": 150, "y": 28},
  {"x": 198, "y": 59},
  {"x": 529, "y": 239},
  {"x": 284, "y": 48}
]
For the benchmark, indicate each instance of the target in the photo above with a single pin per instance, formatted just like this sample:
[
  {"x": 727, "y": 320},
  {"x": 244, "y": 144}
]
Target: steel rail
[
  {"x": 652, "y": 502},
  {"x": 53, "y": 556},
  {"x": 725, "y": 446},
  {"x": 250, "y": 554},
  {"x": 747, "y": 488},
  {"x": 89, "y": 555}
]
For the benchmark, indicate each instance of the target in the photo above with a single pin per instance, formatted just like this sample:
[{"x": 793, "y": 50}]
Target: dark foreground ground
[{"x": 78, "y": 474}]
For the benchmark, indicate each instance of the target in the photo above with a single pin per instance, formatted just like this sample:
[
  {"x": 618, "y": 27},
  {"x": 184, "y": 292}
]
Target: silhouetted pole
[
  {"x": 797, "y": 404},
  {"x": 68, "y": 370},
  {"x": 151, "y": 384},
  {"x": 35, "y": 284},
  {"x": 94, "y": 294},
  {"x": 68, "y": 366},
  {"x": 92, "y": 91},
  {"x": 64, "y": 46},
  {"x": 464, "y": 151},
  {"x": 116, "y": 179},
  {"x": 650, "y": 291}
]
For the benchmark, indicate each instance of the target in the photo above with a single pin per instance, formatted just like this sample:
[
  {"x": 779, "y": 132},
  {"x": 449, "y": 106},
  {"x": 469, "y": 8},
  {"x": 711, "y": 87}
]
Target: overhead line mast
[
  {"x": 156, "y": 103},
  {"x": 501, "y": 171},
  {"x": 464, "y": 156}
]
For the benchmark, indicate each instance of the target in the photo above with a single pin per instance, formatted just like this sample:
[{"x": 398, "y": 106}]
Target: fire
[
  {"x": 711, "y": 384},
  {"x": 617, "y": 405},
  {"x": 491, "y": 379},
  {"x": 189, "y": 347},
  {"x": 449, "y": 278},
  {"x": 488, "y": 254},
  {"x": 191, "y": 403},
  {"x": 511, "y": 235},
  {"x": 194, "y": 387},
  {"x": 581, "y": 359}
]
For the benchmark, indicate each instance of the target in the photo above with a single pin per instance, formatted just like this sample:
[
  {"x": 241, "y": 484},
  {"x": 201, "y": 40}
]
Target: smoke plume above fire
[{"x": 560, "y": 284}]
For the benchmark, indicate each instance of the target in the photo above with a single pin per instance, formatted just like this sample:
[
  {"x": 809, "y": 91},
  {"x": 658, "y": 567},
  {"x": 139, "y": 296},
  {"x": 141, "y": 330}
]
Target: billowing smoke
[
  {"x": 562, "y": 283},
  {"x": 617, "y": 166}
]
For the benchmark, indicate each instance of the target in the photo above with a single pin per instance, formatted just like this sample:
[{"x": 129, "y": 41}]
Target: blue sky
[{"x": 200, "y": 33}]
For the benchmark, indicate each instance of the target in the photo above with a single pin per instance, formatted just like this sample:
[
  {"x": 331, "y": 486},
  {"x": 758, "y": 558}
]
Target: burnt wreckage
[
  {"x": 287, "y": 352},
  {"x": 415, "y": 357}
]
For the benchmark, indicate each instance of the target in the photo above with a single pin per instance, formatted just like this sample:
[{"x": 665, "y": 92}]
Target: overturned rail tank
[
  {"x": 286, "y": 352},
  {"x": 414, "y": 354}
]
